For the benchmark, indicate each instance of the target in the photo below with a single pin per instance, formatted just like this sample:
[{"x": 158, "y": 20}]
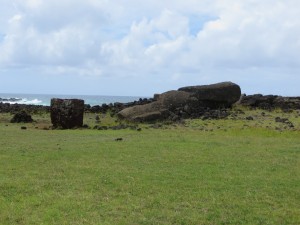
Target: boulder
[
  {"x": 21, "y": 117},
  {"x": 157, "y": 110},
  {"x": 173, "y": 99},
  {"x": 215, "y": 95},
  {"x": 140, "y": 113},
  {"x": 186, "y": 102},
  {"x": 67, "y": 113}
]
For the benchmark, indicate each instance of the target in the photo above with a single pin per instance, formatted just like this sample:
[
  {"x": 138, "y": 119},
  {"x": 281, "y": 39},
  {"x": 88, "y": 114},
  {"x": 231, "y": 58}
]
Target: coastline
[{"x": 44, "y": 99}]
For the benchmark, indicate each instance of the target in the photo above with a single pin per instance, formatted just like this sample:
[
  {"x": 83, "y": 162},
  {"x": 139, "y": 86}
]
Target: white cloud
[
  {"x": 15, "y": 19},
  {"x": 188, "y": 38},
  {"x": 34, "y": 4}
]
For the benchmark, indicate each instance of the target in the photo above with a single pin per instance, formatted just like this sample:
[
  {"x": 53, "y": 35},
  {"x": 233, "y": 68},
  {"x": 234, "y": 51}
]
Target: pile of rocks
[
  {"x": 14, "y": 108},
  {"x": 270, "y": 102},
  {"x": 116, "y": 107},
  {"x": 21, "y": 117}
]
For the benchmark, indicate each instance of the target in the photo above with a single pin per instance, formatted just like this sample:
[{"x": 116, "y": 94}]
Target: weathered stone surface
[
  {"x": 151, "y": 111},
  {"x": 173, "y": 99},
  {"x": 187, "y": 102},
  {"x": 225, "y": 93},
  {"x": 21, "y": 117},
  {"x": 67, "y": 113},
  {"x": 157, "y": 110}
]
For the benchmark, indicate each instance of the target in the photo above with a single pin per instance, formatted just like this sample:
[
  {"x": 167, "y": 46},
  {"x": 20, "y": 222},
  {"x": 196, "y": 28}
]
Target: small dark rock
[
  {"x": 119, "y": 139},
  {"x": 96, "y": 127},
  {"x": 156, "y": 126},
  {"x": 285, "y": 121},
  {"x": 21, "y": 117},
  {"x": 23, "y": 128},
  {"x": 101, "y": 127}
]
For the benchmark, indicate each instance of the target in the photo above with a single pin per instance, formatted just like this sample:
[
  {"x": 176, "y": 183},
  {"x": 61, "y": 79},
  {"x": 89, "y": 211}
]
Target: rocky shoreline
[
  {"x": 104, "y": 108},
  {"x": 213, "y": 101},
  {"x": 270, "y": 102},
  {"x": 259, "y": 101}
]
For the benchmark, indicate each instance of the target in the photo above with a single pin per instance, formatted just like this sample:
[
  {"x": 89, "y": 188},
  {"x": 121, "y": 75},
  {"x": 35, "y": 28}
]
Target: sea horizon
[{"x": 44, "y": 99}]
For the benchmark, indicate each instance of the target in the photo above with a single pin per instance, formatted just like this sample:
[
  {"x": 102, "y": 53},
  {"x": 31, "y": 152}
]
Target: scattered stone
[
  {"x": 270, "y": 102},
  {"x": 23, "y": 128},
  {"x": 101, "y": 127},
  {"x": 97, "y": 118},
  {"x": 281, "y": 120},
  {"x": 249, "y": 118},
  {"x": 239, "y": 111},
  {"x": 284, "y": 121},
  {"x": 21, "y": 117},
  {"x": 14, "y": 108},
  {"x": 119, "y": 139},
  {"x": 156, "y": 126}
]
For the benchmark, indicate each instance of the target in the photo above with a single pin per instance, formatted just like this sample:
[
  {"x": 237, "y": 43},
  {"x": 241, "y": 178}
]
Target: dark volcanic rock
[
  {"x": 258, "y": 100},
  {"x": 270, "y": 102},
  {"x": 215, "y": 95},
  {"x": 67, "y": 113},
  {"x": 14, "y": 108},
  {"x": 148, "y": 112},
  {"x": 174, "y": 99},
  {"x": 21, "y": 117},
  {"x": 10, "y": 99},
  {"x": 156, "y": 110},
  {"x": 114, "y": 108},
  {"x": 285, "y": 121},
  {"x": 187, "y": 102}
]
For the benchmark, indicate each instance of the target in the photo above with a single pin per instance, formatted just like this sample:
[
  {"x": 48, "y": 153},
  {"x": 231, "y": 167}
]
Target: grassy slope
[{"x": 180, "y": 175}]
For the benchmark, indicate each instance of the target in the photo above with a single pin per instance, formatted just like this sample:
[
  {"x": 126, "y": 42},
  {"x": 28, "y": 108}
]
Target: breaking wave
[{"x": 21, "y": 101}]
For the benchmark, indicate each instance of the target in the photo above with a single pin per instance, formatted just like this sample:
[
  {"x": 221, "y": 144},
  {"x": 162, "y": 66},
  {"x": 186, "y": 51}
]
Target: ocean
[{"x": 44, "y": 99}]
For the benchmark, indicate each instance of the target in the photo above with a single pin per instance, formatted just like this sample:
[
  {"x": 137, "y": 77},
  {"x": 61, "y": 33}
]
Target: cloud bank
[{"x": 164, "y": 43}]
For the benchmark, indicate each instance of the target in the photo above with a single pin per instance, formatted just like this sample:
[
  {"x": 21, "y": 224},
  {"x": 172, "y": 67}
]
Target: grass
[{"x": 203, "y": 172}]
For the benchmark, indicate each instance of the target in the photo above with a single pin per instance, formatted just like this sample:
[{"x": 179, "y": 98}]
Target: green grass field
[{"x": 200, "y": 172}]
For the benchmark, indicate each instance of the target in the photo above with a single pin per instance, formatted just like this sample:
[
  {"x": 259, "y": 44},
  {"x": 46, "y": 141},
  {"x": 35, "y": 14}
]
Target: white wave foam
[
  {"x": 25, "y": 101},
  {"x": 32, "y": 102}
]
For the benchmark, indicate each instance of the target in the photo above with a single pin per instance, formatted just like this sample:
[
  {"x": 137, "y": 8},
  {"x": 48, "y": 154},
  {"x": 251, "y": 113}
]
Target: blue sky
[{"x": 116, "y": 47}]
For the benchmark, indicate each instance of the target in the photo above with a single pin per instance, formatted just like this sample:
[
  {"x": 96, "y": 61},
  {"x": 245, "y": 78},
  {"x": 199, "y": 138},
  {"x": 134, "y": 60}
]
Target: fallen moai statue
[{"x": 186, "y": 102}]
